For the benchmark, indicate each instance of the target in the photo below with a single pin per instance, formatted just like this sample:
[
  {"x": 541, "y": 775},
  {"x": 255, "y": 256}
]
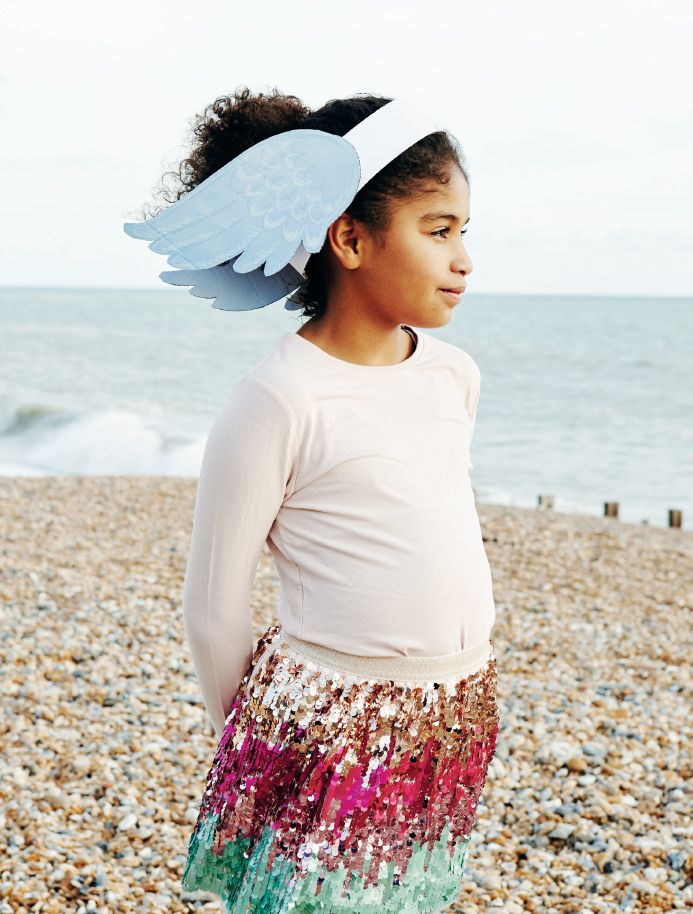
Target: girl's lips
[{"x": 454, "y": 294}]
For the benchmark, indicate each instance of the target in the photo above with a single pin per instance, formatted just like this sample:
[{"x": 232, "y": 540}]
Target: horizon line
[{"x": 46, "y": 288}]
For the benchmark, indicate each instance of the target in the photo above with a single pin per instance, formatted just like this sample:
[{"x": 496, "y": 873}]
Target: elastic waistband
[{"x": 404, "y": 669}]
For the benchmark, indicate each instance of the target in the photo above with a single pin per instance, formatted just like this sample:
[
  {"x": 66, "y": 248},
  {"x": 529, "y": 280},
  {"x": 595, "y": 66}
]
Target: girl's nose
[{"x": 462, "y": 263}]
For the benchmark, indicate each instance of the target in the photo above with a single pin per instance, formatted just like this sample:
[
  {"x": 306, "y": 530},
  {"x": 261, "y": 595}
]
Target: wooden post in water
[
  {"x": 611, "y": 509},
  {"x": 545, "y": 503},
  {"x": 675, "y": 518}
]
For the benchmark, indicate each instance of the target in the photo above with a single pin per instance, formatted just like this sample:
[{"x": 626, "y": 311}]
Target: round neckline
[{"x": 356, "y": 366}]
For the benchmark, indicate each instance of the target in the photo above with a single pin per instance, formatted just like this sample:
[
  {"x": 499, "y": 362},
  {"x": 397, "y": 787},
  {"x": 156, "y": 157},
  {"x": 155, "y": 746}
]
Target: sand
[{"x": 105, "y": 743}]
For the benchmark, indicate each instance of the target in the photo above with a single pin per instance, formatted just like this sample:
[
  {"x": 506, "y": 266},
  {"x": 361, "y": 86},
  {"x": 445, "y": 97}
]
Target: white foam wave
[
  {"x": 115, "y": 442},
  {"x": 18, "y": 469}
]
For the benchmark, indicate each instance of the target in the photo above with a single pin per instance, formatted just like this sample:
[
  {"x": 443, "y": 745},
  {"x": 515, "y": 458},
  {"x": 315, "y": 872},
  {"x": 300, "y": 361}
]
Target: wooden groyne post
[
  {"x": 545, "y": 503},
  {"x": 611, "y": 509},
  {"x": 675, "y": 518}
]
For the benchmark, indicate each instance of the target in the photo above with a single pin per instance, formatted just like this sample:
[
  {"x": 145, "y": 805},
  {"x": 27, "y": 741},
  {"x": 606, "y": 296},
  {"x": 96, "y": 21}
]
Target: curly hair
[{"x": 234, "y": 123}]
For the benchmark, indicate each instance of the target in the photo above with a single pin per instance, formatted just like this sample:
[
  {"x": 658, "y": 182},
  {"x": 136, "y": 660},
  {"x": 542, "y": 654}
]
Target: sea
[{"x": 587, "y": 399}]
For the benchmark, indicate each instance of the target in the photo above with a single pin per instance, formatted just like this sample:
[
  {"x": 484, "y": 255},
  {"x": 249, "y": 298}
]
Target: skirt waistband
[{"x": 409, "y": 669}]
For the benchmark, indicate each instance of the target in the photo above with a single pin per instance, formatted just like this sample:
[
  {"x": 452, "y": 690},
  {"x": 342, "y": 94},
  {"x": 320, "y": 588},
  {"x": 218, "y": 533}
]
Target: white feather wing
[{"x": 285, "y": 190}]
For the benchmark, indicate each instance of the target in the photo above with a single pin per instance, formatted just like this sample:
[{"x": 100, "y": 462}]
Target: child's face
[{"x": 415, "y": 273}]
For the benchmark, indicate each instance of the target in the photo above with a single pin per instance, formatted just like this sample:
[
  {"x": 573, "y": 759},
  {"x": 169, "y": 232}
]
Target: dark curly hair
[{"x": 234, "y": 123}]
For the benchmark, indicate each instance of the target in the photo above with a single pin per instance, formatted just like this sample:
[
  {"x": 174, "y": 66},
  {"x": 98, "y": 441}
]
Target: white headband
[{"x": 379, "y": 139}]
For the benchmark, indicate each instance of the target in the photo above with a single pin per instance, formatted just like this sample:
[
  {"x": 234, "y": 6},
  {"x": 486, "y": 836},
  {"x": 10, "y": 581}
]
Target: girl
[{"x": 355, "y": 740}]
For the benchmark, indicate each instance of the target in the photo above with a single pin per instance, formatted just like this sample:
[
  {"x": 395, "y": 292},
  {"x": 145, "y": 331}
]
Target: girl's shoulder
[
  {"x": 450, "y": 358},
  {"x": 283, "y": 373}
]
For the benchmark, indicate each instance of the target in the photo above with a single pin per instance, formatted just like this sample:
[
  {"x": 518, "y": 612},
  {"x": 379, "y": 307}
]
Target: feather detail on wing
[
  {"x": 234, "y": 291},
  {"x": 259, "y": 207}
]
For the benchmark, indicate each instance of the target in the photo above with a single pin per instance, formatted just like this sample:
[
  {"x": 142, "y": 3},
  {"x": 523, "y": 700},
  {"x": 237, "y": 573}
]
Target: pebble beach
[{"x": 105, "y": 743}]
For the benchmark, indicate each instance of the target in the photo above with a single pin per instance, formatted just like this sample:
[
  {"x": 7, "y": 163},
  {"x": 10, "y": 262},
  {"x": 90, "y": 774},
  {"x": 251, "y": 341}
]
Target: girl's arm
[
  {"x": 473, "y": 388},
  {"x": 246, "y": 468}
]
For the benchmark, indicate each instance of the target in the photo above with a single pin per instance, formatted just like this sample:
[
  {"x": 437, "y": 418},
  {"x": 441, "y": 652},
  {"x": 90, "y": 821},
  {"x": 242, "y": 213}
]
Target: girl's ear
[{"x": 345, "y": 241}]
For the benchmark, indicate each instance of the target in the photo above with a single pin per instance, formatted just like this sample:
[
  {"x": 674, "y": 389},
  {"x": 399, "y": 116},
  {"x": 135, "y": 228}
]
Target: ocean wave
[
  {"x": 38, "y": 441},
  {"x": 26, "y": 419}
]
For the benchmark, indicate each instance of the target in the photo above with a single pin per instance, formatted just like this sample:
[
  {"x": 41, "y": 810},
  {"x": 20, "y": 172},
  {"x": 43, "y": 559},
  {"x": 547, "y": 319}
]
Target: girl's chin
[{"x": 436, "y": 317}]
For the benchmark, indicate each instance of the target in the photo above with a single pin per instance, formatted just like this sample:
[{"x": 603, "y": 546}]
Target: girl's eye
[{"x": 441, "y": 233}]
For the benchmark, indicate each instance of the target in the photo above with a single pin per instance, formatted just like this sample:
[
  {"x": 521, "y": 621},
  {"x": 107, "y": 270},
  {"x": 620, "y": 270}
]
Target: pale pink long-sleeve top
[{"x": 358, "y": 479}]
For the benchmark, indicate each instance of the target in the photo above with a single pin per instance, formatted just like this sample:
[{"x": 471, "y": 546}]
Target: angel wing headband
[{"x": 273, "y": 204}]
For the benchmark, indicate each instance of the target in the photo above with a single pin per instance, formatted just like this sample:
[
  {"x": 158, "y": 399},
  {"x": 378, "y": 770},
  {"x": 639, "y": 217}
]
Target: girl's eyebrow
[{"x": 435, "y": 217}]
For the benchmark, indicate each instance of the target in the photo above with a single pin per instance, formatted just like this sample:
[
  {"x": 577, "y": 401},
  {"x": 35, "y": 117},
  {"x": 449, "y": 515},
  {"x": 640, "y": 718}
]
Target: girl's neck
[{"x": 360, "y": 341}]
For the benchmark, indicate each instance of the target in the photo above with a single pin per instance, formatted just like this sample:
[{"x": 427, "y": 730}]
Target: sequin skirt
[{"x": 333, "y": 790}]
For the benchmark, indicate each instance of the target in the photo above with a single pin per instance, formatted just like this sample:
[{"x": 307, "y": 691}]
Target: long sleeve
[
  {"x": 247, "y": 466},
  {"x": 473, "y": 390}
]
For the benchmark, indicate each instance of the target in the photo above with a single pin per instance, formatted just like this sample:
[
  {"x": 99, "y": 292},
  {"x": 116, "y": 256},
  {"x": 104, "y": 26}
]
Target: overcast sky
[{"x": 576, "y": 119}]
